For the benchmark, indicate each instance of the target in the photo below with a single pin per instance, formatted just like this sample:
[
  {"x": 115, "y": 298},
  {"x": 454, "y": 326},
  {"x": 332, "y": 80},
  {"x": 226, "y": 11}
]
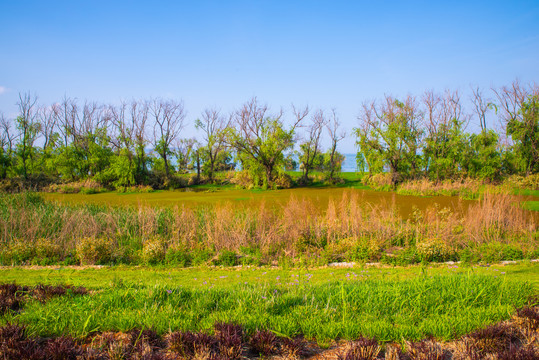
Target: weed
[
  {"x": 361, "y": 349},
  {"x": 492, "y": 339},
  {"x": 513, "y": 353},
  {"x": 426, "y": 350},
  {"x": 264, "y": 342},
  {"x": 230, "y": 339},
  {"x": 295, "y": 348}
]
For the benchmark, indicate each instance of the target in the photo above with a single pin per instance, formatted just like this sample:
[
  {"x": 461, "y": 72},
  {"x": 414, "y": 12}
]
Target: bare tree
[
  {"x": 7, "y": 139},
  {"x": 335, "y": 135},
  {"x": 29, "y": 127},
  {"x": 481, "y": 106},
  {"x": 66, "y": 114},
  {"x": 169, "y": 119},
  {"x": 48, "y": 122},
  {"x": 139, "y": 118},
  {"x": 123, "y": 128},
  {"x": 7, "y": 135},
  {"x": 213, "y": 126},
  {"x": 310, "y": 148}
]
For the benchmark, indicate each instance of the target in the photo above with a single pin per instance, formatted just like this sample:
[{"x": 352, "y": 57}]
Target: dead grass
[{"x": 292, "y": 229}]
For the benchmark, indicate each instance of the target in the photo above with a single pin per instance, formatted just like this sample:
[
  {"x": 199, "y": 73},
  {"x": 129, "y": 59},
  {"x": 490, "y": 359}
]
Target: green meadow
[{"x": 323, "y": 304}]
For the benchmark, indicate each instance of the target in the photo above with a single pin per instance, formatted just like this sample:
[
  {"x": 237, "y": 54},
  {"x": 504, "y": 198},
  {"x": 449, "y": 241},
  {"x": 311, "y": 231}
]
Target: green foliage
[
  {"x": 260, "y": 142},
  {"x": 485, "y": 159},
  {"x": 227, "y": 258},
  {"x": 390, "y": 138},
  {"x": 178, "y": 257},
  {"x": 524, "y": 131},
  {"x": 91, "y": 250},
  {"x": 447, "y": 151}
]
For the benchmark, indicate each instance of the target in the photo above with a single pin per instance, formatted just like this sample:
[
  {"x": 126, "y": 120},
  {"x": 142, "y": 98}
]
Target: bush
[
  {"x": 283, "y": 181},
  {"x": 381, "y": 181},
  {"x": 434, "y": 250},
  {"x": 153, "y": 251},
  {"x": 242, "y": 179},
  {"x": 496, "y": 251},
  {"x": 47, "y": 251},
  {"x": 177, "y": 256},
  {"x": 227, "y": 258},
  {"x": 91, "y": 250},
  {"x": 530, "y": 182},
  {"x": 18, "y": 252},
  {"x": 201, "y": 256}
]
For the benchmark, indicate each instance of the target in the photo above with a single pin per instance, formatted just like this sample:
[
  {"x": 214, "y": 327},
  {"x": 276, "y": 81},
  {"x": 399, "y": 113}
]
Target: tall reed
[{"x": 348, "y": 224}]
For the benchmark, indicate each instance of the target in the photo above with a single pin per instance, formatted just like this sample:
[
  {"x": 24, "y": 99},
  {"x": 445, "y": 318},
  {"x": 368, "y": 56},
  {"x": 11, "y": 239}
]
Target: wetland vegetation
[{"x": 218, "y": 248}]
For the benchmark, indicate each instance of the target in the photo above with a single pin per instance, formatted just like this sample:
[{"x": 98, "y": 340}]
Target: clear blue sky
[{"x": 220, "y": 53}]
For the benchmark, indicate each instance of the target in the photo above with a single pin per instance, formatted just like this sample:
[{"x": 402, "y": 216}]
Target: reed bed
[{"x": 35, "y": 231}]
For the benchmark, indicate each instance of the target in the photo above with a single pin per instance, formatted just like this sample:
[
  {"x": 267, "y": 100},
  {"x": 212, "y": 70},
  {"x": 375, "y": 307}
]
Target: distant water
[{"x": 349, "y": 164}]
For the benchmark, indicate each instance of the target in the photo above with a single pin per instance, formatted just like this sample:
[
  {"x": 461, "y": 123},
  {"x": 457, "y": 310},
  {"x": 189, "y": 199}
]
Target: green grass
[
  {"x": 526, "y": 192},
  {"x": 531, "y": 205},
  {"x": 323, "y": 304}
]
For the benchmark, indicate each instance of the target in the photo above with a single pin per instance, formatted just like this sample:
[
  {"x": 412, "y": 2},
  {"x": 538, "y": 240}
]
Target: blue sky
[{"x": 221, "y": 53}]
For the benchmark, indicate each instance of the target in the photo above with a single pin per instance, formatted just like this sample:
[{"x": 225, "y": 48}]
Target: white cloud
[{"x": 3, "y": 90}]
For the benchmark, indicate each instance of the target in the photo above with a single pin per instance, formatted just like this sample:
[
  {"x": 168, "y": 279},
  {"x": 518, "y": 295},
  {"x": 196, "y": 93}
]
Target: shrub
[
  {"x": 283, "y": 181},
  {"x": 434, "y": 250},
  {"x": 227, "y": 258},
  {"x": 496, "y": 251},
  {"x": 201, "y": 256},
  {"x": 364, "y": 251},
  {"x": 153, "y": 251},
  {"x": 91, "y": 250},
  {"x": 47, "y": 251},
  {"x": 380, "y": 181},
  {"x": 230, "y": 340},
  {"x": 18, "y": 252},
  {"x": 524, "y": 182},
  {"x": 242, "y": 179},
  {"x": 177, "y": 256}
]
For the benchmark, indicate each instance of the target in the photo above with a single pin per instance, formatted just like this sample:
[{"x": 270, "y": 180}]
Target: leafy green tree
[
  {"x": 67, "y": 161},
  {"x": 517, "y": 108},
  {"x": 260, "y": 140},
  {"x": 485, "y": 158},
  {"x": 389, "y": 135},
  {"x": 184, "y": 153},
  {"x": 445, "y": 150},
  {"x": 523, "y": 128},
  {"x": 446, "y": 144},
  {"x": 213, "y": 125},
  {"x": 369, "y": 158},
  {"x": 122, "y": 169}
]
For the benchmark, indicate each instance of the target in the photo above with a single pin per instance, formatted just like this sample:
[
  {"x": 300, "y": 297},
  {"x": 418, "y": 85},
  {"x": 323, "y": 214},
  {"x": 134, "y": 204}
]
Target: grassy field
[{"x": 323, "y": 303}]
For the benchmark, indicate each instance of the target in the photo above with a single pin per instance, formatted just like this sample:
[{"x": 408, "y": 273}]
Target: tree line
[
  {"x": 425, "y": 137},
  {"x": 141, "y": 143}
]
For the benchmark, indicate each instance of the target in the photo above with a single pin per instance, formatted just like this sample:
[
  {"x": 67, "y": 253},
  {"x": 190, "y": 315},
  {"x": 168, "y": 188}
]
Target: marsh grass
[{"x": 39, "y": 232}]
